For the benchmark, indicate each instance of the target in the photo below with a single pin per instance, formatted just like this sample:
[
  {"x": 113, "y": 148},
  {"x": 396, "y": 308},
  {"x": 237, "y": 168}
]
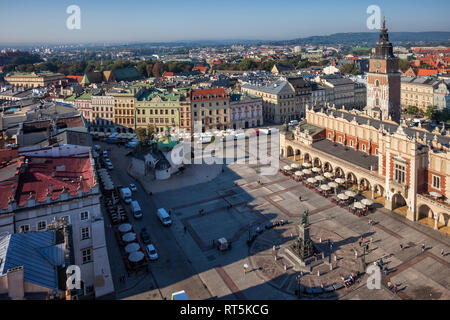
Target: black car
[{"x": 145, "y": 236}]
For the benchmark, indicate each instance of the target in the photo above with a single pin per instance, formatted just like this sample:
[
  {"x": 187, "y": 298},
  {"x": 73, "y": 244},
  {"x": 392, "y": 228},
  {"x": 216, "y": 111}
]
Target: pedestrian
[
  {"x": 401, "y": 247},
  {"x": 395, "y": 289},
  {"x": 371, "y": 241},
  {"x": 385, "y": 271},
  {"x": 356, "y": 254},
  {"x": 423, "y": 247},
  {"x": 442, "y": 252},
  {"x": 185, "y": 229},
  {"x": 300, "y": 198}
]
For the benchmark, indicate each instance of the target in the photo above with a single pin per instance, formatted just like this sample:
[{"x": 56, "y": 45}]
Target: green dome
[{"x": 166, "y": 143}]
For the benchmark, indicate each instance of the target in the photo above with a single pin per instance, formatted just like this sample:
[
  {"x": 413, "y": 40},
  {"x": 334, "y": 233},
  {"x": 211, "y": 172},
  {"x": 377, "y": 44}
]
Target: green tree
[
  {"x": 349, "y": 68},
  {"x": 141, "y": 134},
  {"x": 412, "y": 110},
  {"x": 430, "y": 112},
  {"x": 150, "y": 131},
  {"x": 157, "y": 69},
  {"x": 403, "y": 64}
]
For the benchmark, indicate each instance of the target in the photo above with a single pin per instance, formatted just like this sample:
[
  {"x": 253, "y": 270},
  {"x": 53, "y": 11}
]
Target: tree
[
  {"x": 412, "y": 110},
  {"x": 141, "y": 134},
  {"x": 403, "y": 64},
  {"x": 349, "y": 68},
  {"x": 149, "y": 69},
  {"x": 157, "y": 69},
  {"x": 430, "y": 112},
  {"x": 150, "y": 131}
]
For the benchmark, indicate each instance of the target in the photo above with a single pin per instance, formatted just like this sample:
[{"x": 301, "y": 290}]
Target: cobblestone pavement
[{"x": 189, "y": 262}]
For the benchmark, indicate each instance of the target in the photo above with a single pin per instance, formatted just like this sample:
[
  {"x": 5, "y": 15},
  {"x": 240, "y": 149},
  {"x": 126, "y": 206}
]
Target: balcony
[{"x": 399, "y": 186}]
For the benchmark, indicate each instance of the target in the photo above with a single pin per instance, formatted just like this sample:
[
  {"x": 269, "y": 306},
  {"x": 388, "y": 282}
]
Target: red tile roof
[
  {"x": 199, "y": 68},
  {"x": 209, "y": 94},
  {"x": 44, "y": 173},
  {"x": 75, "y": 78}
]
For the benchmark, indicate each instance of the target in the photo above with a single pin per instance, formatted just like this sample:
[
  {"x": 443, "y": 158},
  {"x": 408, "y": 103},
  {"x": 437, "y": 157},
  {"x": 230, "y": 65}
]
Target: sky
[{"x": 113, "y": 21}]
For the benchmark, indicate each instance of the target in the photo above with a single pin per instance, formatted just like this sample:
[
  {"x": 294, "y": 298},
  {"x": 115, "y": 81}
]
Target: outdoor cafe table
[
  {"x": 435, "y": 194},
  {"x": 339, "y": 180},
  {"x": 333, "y": 184},
  {"x": 359, "y": 205},
  {"x": 286, "y": 168},
  {"x": 320, "y": 178},
  {"x": 299, "y": 173},
  {"x": 125, "y": 227},
  {"x": 342, "y": 196},
  {"x": 328, "y": 175},
  {"x": 129, "y": 237},
  {"x": 306, "y": 165},
  {"x": 351, "y": 194},
  {"x": 307, "y": 171},
  {"x": 315, "y": 169},
  {"x": 136, "y": 256},
  {"x": 311, "y": 180},
  {"x": 367, "y": 202},
  {"x": 325, "y": 187},
  {"x": 295, "y": 166},
  {"x": 131, "y": 247}
]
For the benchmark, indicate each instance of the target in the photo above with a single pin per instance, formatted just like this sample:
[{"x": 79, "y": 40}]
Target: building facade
[
  {"x": 246, "y": 111},
  {"x": 158, "y": 109},
  {"x": 35, "y": 79},
  {"x": 60, "y": 183},
  {"x": 279, "y": 100},
  {"x": 211, "y": 107},
  {"x": 102, "y": 112},
  {"x": 383, "y": 80},
  {"x": 406, "y": 170},
  {"x": 419, "y": 92}
]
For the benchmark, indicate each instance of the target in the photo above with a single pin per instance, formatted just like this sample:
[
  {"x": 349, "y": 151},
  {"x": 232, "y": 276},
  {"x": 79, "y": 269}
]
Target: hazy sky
[{"x": 35, "y": 21}]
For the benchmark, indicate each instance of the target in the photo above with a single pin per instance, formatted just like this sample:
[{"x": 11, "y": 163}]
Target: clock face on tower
[{"x": 377, "y": 64}]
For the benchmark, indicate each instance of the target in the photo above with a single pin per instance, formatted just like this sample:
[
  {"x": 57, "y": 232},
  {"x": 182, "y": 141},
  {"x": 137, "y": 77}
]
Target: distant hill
[{"x": 370, "y": 38}]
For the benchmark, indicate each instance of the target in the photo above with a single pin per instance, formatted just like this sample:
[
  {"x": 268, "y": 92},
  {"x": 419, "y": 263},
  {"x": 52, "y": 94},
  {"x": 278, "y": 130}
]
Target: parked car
[
  {"x": 151, "y": 251},
  {"x": 133, "y": 187},
  {"x": 145, "y": 236},
  {"x": 110, "y": 166},
  {"x": 136, "y": 209}
]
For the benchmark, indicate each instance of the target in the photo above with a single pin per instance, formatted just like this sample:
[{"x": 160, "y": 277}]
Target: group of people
[{"x": 349, "y": 281}]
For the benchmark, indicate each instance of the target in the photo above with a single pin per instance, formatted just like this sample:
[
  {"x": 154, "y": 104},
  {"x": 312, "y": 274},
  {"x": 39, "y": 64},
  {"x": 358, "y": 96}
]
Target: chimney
[{"x": 16, "y": 288}]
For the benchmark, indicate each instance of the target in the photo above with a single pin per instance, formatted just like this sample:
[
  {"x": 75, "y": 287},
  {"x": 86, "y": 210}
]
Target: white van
[
  {"x": 239, "y": 136},
  {"x": 293, "y": 122},
  {"x": 136, "y": 209},
  {"x": 164, "y": 217}
]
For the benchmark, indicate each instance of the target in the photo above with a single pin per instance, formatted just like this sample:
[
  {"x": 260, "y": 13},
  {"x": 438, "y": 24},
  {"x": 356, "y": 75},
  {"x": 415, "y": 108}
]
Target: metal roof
[{"x": 32, "y": 251}]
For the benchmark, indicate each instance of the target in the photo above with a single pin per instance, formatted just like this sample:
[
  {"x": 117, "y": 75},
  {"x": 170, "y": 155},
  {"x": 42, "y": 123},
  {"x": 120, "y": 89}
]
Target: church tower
[{"x": 383, "y": 81}]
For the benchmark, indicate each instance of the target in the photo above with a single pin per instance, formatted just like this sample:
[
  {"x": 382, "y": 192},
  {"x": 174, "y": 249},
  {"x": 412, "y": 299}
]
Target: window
[
  {"x": 340, "y": 139},
  {"x": 42, "y": 225},
  {"x": 364, "y": 147},
  {"x": 351, "y": 143},
  {"x": 85, "y": 233},
  {"x": 24, "y": 228},
  {"x": 329, "y": 136},
  {"x": 84, "y": 215},
  {"x": 67, "y": 218},
  {"x": 86, "y": 255},
  {"x": 436, "y": 182},
  {"x": 400, "y": 173}
]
